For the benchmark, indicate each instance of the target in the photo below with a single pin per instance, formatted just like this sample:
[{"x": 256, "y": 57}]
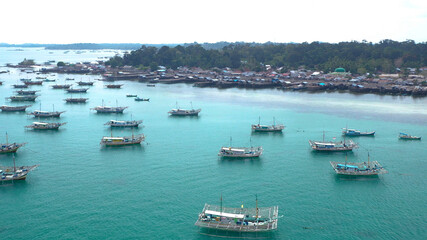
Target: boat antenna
[
  {"x": 14, "y": 166},
  {"x": 221, "y": 204},
  {"x": 256, "y": 205},
  {"x": 368, "y": 159}
]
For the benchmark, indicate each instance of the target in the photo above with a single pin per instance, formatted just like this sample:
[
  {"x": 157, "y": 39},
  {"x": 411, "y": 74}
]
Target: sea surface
[{"x": 156, "y": 190}]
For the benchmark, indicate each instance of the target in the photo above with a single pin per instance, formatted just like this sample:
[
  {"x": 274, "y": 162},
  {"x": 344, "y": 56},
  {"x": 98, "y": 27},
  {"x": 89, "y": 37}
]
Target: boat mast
[
  {"x": 14, "y": 166},
  {"x": 323, "y": 135},
  {"x": 191, "y": 103},
  {"x": 274, "y": 121},
  {"x": 368, "y": 160},
  {"x": 7, "y": 139},
  {"x": 259, "y": 120},
  {"x": 256, "y": 205},
  {"x": 221, "y": 204}
]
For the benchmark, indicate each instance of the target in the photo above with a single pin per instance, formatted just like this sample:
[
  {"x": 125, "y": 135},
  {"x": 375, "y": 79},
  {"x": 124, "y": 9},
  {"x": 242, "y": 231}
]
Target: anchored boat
[
  {"x": 77, "y": 90},
  {"x": 107, "y": 109},
  {"x": 26, "y": 92},
  {"x": 76, "y": 100},
  {"x": 138, "y": 99},
  {"x": 184, "y": 112},
  {"x": 371, "y": 168},
  {"x": 240, "y": 152},
  {"x": 332, "y": 146},
  {"x": 114, "y": 85},
  {"x": 115, "y": 123},
  {"x": 10, "y": 147},
  {"x": 267, "y": 128},
  {"x": 239, "y": 219},
  {"x": 33, "y": 82},
  {"x": 121, "y": 141},
  {"x": 61, "y": 86},
  {"x": 38, "y": 113},
  {"x": 23, "y": 98},
  {"x": 354, "y": 132},
  {"x": 15, "y": 173},
  {"x": 6, "y": 108},
  {"x": 131, "y": 95},
  {"x": 81, "y": 83},
  {"x": 405, "y": 136},
  {"x": 20, "y": 86},
  {"x": 45, "y": 125}
]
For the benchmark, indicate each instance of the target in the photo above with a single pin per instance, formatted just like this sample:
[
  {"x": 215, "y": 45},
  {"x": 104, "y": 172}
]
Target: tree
[
  {"x": 154, "y": 66},
  {"x": 60, "y": 64}
]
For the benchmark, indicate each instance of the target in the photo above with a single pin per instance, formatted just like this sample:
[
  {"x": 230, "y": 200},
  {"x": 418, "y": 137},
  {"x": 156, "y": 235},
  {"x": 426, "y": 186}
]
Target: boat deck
[{"x": 359, "y": 169}]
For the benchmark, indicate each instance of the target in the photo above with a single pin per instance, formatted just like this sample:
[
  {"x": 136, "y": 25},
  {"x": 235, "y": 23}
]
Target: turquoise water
[{"x": 156, "y": 190}]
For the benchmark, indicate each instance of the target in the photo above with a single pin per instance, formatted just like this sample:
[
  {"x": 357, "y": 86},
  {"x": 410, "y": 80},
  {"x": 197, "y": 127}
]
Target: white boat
[
  {"x": 267, "y": 128},
  {"x": 45, "y": 125},
  {"x": 184, "y": 112},
  {"x": 121, "y": 141},
  {"x": 240, "y": 152},
  {"x": 116, "y": 123}
]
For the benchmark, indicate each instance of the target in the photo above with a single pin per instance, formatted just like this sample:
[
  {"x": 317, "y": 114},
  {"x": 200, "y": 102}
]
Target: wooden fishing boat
[
  {"x": 61, "y": 86},
  {"x": 34, "y": 83},
  {"x": 27, "y": 92},
  {"x": 77, "y": 90},
  {"x": 131, "y": 95},
  {"x": 267, "y": 128},
  {"x": 405, "y": 136},
  {"x": 10, "y": 147},
  {"x": 108, "y": 109},
  {"x": 370, "y": 168},
  {"x": 138, "y": 99},
  {"x": 240, "y": 152},
  {"x": 354, "y": 132},
  {"x": 49, "y": 80},
  {"x": 122, "y": 141},
  {"x": 81, "y": 83},
  {"x": 239, "y": 219},
  {"x": 69, "y": 79},
  {"x": 6, "y": 108},
  {"x": 332, "y": 146},
  {"x": 184, "y": 112},
  {"x": 114, "y": 85},
  {"x": 10, "y": 174},
  {"x": 38, "y": 113},
  {"x": 20, "y": 86},
  {"x": 45, "y": 125},
  {"x": 115, "y": 123},
  {"x": 76, "y": 100},
  {"x": 151, "y": 85},
  {"x": 22, "y": 98}
]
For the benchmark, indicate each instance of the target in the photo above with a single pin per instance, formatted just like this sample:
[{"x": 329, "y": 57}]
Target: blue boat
[{"x": 354, "y": 132}]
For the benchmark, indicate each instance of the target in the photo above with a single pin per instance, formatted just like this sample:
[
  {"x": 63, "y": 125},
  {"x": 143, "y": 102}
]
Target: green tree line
[{"x": 356, "y": 57}]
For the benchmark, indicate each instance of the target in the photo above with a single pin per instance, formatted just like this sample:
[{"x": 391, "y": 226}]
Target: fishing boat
[
  {"x": 116, "y": 123},
  {"x": 267, "y": 128},
  {"x": 81, "y": 83},
  {"x": 15, "y": 173},
  {"x": 332, "y": 146},
  {"x": 10, "y": 147},
  {"x": 49, "y": 80},
  {"x": 26, "y": 92},
  {"x": 184, "y": 112},
  {"x": 22, "y": 98},
  {"x": 20, "y": 86},
  {"x": 61, "y": 86},
  {"x": 45, "y": 125},
  {"x": 34, "y": 83},
  {"x": 131, "y": 95},
  {"x": 6, "y": 108},
  {"x": 40, "y": 77},
  {"x": 353, "y": 132},
  {"x": 122, "y": 141},
  {"x": 114, "y": 85},
  {"x": 151, "y": 85},
  {"x": 77, "y": 90},
  {"x": 107, "y": 109},
  {"x": 69, "y": 79},
  {"x": 405, "y": 136},
  {"x": 38, "y": 113},
  {"x": 25, "y": 79},
  {"x": 76, "y": 100},
  {"x": 238, "y": 219},
  {"x": 240, "y": 152},
  {"x": 138, "y": 99},
  {"x": 370, "y": 168}
]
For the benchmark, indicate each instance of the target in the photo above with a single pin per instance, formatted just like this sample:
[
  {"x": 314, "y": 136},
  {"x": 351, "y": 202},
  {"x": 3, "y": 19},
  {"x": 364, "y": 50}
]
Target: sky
[{"x": 187, "y": 21}]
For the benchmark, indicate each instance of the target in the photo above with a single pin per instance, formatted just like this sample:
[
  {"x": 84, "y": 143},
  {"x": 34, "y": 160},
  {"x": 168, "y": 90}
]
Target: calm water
[{"x": 156, "y": 190}]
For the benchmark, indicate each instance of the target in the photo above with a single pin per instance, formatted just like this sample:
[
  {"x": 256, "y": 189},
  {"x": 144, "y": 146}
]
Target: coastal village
[{"x": 412, "y": 83}]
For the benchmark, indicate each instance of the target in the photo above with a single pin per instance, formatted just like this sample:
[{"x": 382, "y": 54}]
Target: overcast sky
[{"x": 185, "y": 21}]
